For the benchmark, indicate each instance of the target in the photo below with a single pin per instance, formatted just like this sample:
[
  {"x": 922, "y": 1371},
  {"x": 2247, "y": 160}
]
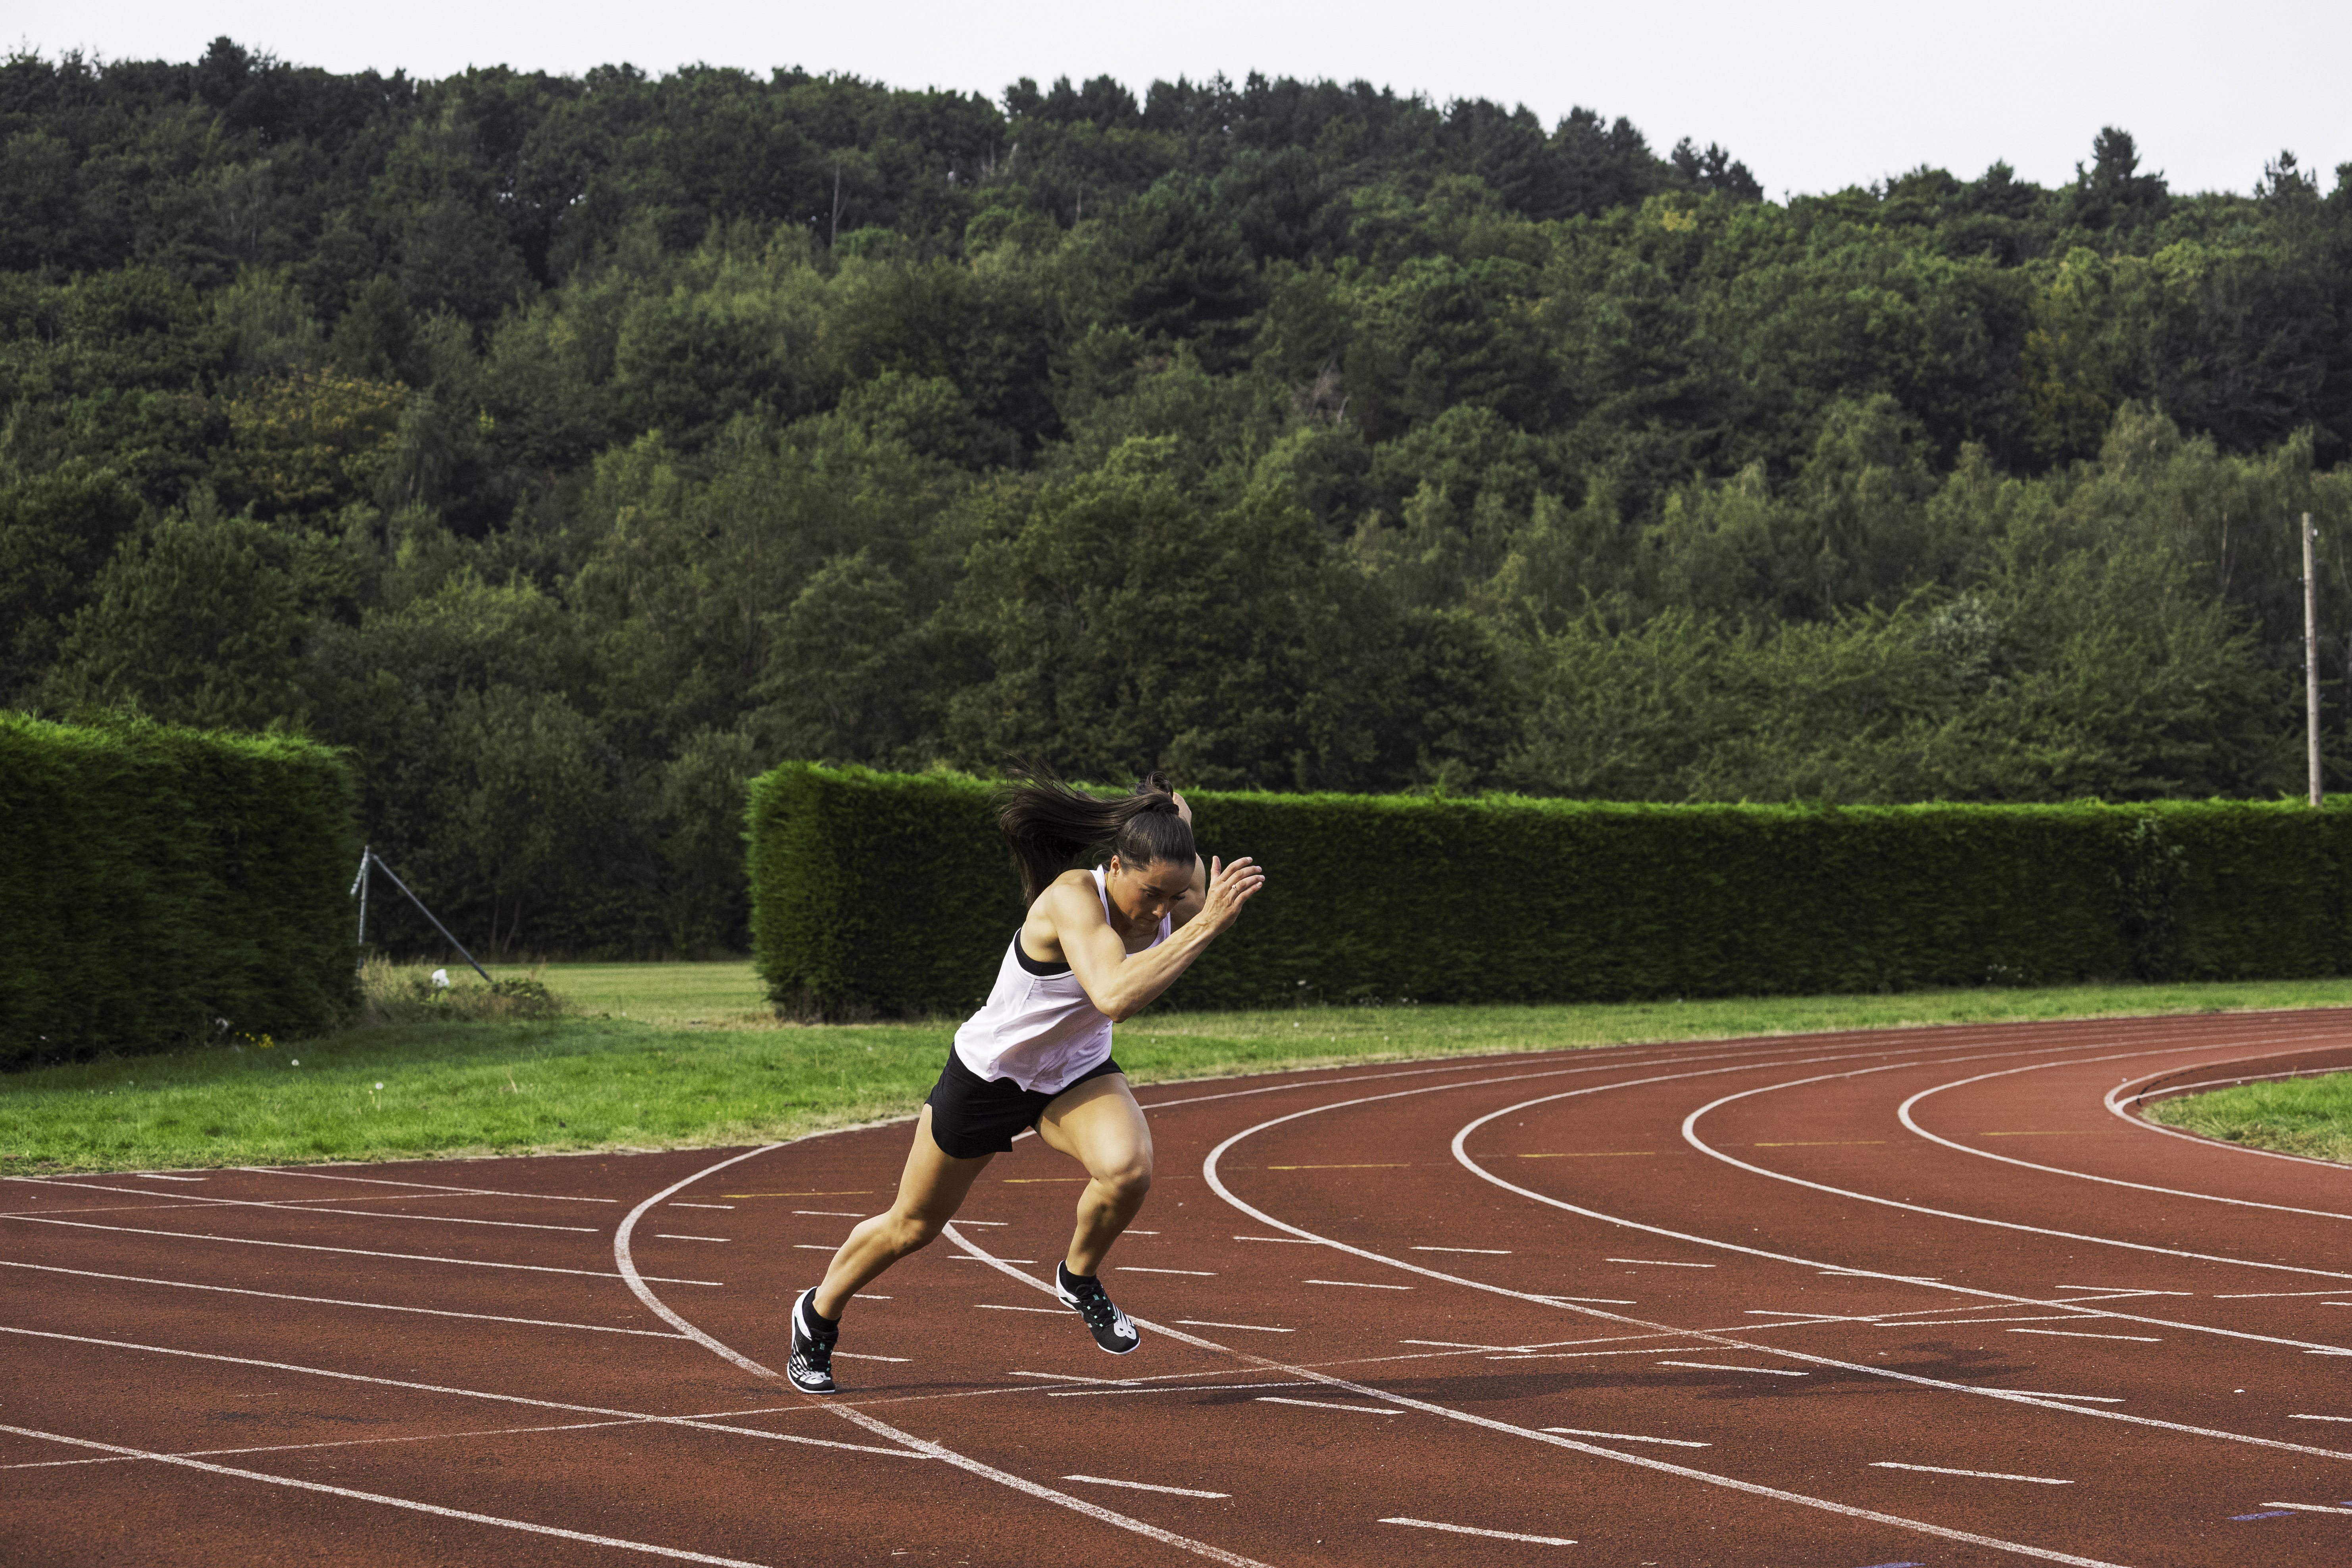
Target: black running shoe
[
  {"x": 1111, "y": 1329},
  {"x": 810, "y": 1370}
]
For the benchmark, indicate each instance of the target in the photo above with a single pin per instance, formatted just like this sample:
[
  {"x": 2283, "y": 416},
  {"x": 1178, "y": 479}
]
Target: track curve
[{"x": 1932, "y": 1296}]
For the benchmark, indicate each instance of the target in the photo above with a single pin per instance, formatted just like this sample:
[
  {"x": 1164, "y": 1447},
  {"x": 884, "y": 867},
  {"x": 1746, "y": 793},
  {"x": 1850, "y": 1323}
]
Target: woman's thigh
[
  {"x": 1099, "y": 1125},
  {"x": 934, "y": 1183}
]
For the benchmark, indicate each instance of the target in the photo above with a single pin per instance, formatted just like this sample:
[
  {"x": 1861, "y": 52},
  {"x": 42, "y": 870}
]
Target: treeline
[{"x": 574, "y": 449}]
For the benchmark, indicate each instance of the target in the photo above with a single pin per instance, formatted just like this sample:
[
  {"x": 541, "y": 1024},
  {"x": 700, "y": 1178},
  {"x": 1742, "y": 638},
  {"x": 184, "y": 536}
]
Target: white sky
[{"x": 1812, "y": 94}]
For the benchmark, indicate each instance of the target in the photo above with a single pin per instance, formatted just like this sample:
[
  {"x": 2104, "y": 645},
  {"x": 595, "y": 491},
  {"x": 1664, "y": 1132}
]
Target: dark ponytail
[{"x": 1048, "y": 824}]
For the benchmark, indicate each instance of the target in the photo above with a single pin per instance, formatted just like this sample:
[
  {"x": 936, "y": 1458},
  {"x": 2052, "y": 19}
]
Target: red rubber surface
[{"x": 1821, "y": 1275}]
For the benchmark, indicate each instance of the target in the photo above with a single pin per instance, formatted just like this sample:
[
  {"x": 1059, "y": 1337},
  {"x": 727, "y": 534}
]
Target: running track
[{"x": 1928, "y": 1297}]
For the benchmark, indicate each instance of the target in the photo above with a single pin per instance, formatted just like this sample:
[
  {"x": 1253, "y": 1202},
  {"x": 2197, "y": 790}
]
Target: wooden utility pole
[{"x": 2311, "y": 655}]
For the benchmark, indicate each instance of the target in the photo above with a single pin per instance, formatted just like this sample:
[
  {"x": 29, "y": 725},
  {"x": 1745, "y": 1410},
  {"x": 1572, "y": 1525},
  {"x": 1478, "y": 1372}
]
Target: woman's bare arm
[{"x": 1121, "y": 984}]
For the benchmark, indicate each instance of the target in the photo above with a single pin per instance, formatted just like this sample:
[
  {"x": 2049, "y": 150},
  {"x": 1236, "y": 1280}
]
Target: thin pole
[
  {"x": 359, "y": 887},
  {"x": 429, "y": 915},
  {"x": 2311, "y": 654}
]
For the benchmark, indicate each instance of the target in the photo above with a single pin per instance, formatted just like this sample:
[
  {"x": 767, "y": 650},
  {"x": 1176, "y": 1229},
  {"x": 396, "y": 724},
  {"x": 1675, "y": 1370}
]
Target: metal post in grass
[
  {"x": 452, "y": 942},
  {"x": 2311, "y": 654},
  {"x": 360, "y": 891}
]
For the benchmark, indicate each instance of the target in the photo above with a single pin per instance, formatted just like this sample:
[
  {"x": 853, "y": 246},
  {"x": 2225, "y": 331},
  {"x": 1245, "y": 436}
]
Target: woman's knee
[
  {"x": 1129, "y": 1181},
  {"x": 912, "y": 1231}
]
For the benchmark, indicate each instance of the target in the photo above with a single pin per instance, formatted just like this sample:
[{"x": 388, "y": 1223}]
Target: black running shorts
[{"x": 971, "y": 1115}]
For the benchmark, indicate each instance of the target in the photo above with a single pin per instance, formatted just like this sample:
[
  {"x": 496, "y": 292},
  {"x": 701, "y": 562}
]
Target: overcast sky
[{"x": 1812, "y": 94}]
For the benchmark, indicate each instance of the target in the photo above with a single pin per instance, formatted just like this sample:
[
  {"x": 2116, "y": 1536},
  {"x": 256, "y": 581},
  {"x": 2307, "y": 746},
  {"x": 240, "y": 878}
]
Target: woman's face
[{"x": 1144, "y": 896}]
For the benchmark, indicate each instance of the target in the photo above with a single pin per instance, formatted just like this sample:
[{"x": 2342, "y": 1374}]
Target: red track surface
[{"x": 1930, "y": 1297}]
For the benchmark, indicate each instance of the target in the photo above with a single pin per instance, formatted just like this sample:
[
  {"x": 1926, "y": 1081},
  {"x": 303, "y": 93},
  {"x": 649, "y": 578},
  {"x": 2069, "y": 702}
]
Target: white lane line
[
  {"x": 1629, "y": 1438},
  {"x": 388, "y": 1502},
  {"x": 331, "y": 1301},
  {"x": 702, "y": 1205},
  {"x": 1656, "y": 1263},
  {"x": 1690, "y": 1136},
  {"x": 1455, "y": 1345},
  {"x": 1139, "y": 1268},
  {"x": 2308, "y": 1507},
  {"x": 1979, "y": 1475},
  {"x": 1062, "y": 1376},
  {"x": 2320, "y": 1417},
  {"x": 1903, "y": 1114},
  {"x": 666, "y": 1236},
  {"x": 353, "y": 1251},
  {"x": 429, "y": 1186},
  {"x": 1327, "y": 1404},
  {"x": 1355, "y": 1284},
  {"x": 303, "y": 1206},
  {"x": 816, "y": 1246},
  {"x": 1810, "y": 1317},
  {"x": 1487, "y": 1422},
  {"x": 2119, "y": 1292},
  {"x": 2095, "y": 1398},
  {"x": 1144, "y": 1487},
  {"x": 2079, "y": 1334},
  {"x": 160, "y": 1176},
  {"x": 459, "y": 1393},
  {"x": 1252, "y": 1328},
  {"x": 1578, "y": 1356},
  {"x": 860, "y": 1356},
  {"x": 1293, "y": 1240},
  {"x": 1166, "y": 1388},
  {"x": 340, "y": 1443},
  {"x": 828, "y": 1214},
  {"x": 1718, "y": 1366},
  {"x": 1489, "y": 1251},
  {"x": 2268, "y": 1295},
  {"x": 957, "y": 1258},
  {"x": 993, "y": 1307},
  {"x": 1970, "y": 1322},
  {"x": 919, "y": 1446},
  {"x": 1591, "y": 1301},
  {"x": 1474, "y": 1529},
  {"x": 999, "y": 1224},
  {"x": 1462, "y": 1157}
]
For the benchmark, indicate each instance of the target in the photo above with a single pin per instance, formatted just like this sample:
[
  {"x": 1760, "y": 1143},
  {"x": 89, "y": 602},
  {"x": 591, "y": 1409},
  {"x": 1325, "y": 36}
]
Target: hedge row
[
  {"x": 891, "y": 894},
  {"x": 154, "y": 881}
]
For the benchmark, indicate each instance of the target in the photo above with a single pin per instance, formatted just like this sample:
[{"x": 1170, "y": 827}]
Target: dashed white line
[
  {"x": 1979, "y": 1475},
  {"x": 1629, "y": 1438},
  {"x": 2079, "y": 1334},
  {"x": 1144, "y": 1487},
  {"x": 1139, "y": 1268},
  {"x": 1718, "y": 1366},
  {"x": 1487, "y": 1251},
  {"x": 667, "y": 1237},
  {"x": 1355, "y": 1284},
  {"x": 2038, "y": 1393},
  {"x": 1657, "y": 1263},
  {"x": 2308, "y": 1507},
  {"x": 1474, "y": 1529},
  {"x": 1249, "y": 1328},
  {"x": 1293, "y": 1240},
  {"x": 702, "y": 1205},
  {"x": 2320, "y": 1417},
  {"x": 827, "y": 1213},
  {"x": 1327, "y": 1404},
  {"x": 959, "y": 1258},
  {"x": 993, "y": 1307}
]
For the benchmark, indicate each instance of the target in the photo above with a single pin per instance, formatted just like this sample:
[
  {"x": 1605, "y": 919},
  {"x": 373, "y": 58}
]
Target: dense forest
[{"x": 572, "y": 449}]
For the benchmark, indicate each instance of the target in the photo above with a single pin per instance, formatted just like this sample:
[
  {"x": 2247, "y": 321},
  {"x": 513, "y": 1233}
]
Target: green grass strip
[
  {"x": 680, "y": 1055},
  {"x": 2309, "y": 1116}
]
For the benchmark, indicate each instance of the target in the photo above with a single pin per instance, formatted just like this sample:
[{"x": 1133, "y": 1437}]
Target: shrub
[
  {"x": 161, "y": 885},
  {"x": 892, "y": 894}
]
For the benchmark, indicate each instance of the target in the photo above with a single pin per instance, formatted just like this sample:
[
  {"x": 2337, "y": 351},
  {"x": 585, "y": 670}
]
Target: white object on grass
[{"x": 441, "y": 978}]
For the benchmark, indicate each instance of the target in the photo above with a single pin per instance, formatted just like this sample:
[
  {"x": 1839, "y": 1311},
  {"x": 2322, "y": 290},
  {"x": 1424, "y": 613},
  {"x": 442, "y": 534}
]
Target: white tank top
[{"x": 1039, "y": 1027}]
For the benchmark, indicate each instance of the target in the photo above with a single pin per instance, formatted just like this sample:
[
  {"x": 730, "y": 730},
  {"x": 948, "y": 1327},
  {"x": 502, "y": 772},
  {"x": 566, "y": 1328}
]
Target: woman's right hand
[{"x": 1230, "y": 886}]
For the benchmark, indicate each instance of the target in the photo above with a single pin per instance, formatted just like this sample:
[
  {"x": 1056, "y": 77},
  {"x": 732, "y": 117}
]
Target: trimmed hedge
[
  {"x": 155, "y": 881},
  {"x": 891, "y": 894}
]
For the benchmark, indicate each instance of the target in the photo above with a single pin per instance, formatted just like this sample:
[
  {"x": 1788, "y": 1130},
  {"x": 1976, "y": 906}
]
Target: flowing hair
[{"x": 1048, "y": 824}]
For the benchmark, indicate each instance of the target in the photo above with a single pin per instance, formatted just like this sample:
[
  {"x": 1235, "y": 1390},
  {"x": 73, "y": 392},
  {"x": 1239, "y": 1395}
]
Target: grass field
[
  {"x": 668, "y": 1056},
  {"x": 2310, "y": 1116}
]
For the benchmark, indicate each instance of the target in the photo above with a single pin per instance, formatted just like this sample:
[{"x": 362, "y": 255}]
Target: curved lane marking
[
  {"x": 1531, "y": 1434},
  {"x": 2117, "y": 1109},
  {"x": 1903, "y": 1114},
  {"x": 921, "y": 1446},
  {"x": 1462, "y": 1157}
]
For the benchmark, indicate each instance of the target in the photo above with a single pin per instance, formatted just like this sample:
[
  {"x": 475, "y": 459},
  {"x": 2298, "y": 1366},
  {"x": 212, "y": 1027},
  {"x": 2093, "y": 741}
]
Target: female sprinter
[{"x": 1096, "y": 948}]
